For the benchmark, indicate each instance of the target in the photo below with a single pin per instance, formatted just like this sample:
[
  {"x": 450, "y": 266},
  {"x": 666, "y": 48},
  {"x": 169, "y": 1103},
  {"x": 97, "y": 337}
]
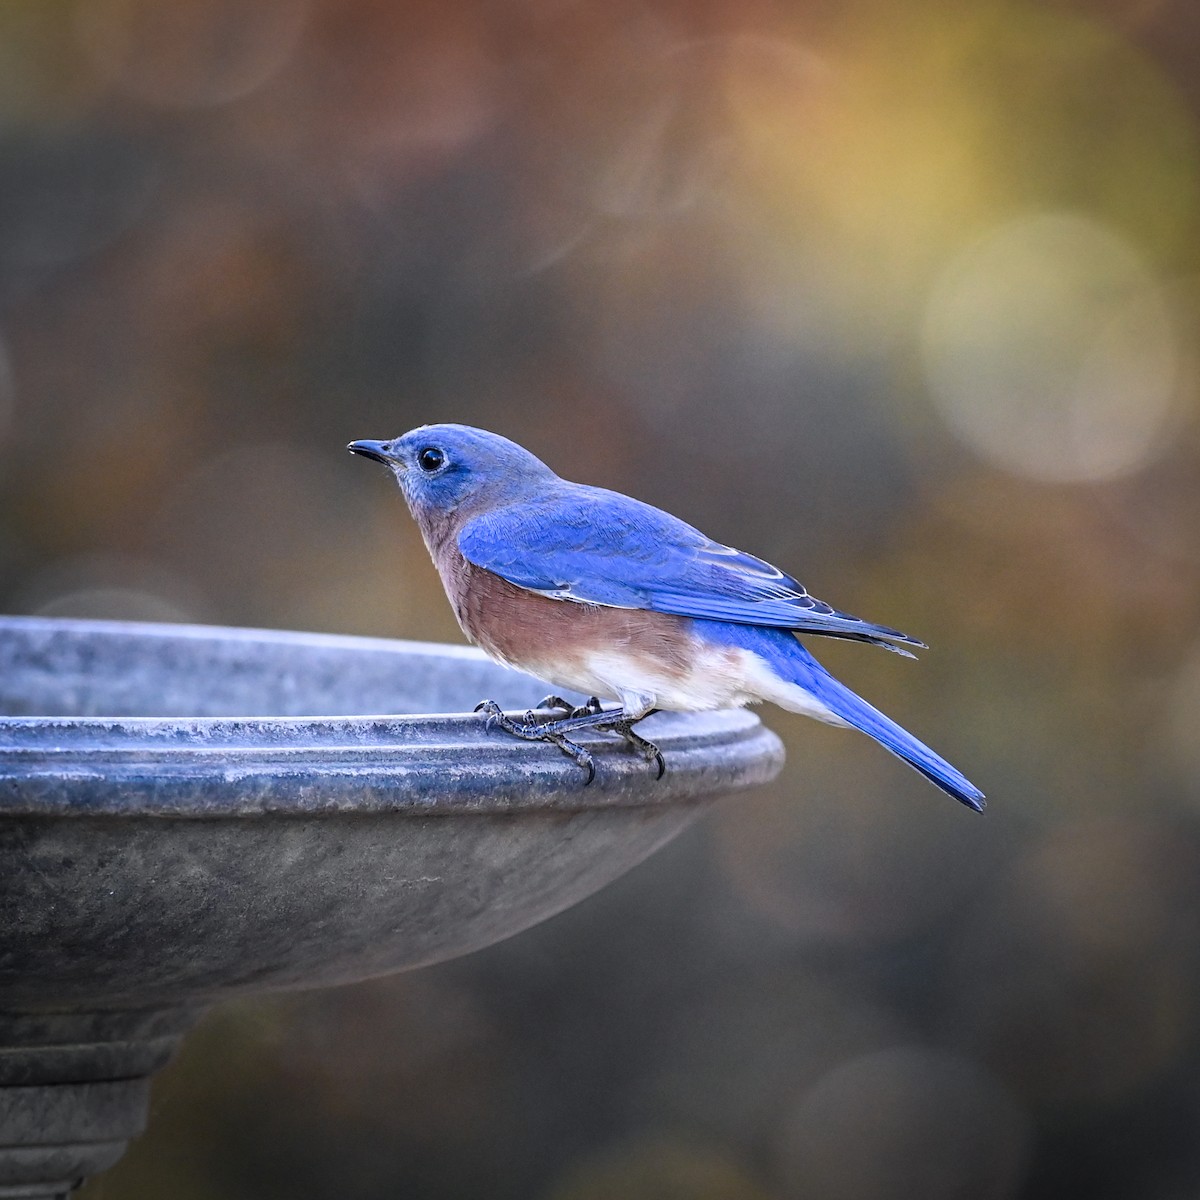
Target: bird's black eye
[{"x": 430, "y": 458}]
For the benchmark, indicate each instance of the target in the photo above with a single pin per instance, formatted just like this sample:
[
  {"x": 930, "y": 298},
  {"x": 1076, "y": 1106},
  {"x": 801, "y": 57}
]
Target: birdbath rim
[{"x": 307, "y": 763}]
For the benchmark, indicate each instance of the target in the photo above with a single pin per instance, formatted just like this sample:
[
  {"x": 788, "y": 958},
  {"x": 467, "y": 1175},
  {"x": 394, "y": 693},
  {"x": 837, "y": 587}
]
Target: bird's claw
[
  {"x": 532, "y": 730},
  {"x": 652, "y": 754},
  {"x": 577, "y": 752},
  {"x": 494, "y": 714},
  {"x": 497, "y": 718},
  {"x": 646, "y": 748}
]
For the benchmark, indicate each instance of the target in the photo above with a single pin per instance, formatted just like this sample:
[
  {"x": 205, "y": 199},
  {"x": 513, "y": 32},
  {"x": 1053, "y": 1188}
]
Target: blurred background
[{"x": 899, "y": 295}]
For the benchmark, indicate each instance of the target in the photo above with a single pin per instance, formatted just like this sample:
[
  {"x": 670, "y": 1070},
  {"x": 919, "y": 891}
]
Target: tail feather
[
  {"x": 854, "y": 710},
  {"x": 791, "y": 661}
]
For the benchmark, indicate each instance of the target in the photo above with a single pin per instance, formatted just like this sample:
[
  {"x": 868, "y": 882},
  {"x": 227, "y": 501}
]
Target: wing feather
[{"x": 593, "y": 546}]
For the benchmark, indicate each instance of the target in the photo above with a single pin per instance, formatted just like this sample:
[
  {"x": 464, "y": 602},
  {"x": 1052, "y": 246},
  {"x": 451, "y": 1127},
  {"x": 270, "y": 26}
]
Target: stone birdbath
[{"x": 188, "y": 814}]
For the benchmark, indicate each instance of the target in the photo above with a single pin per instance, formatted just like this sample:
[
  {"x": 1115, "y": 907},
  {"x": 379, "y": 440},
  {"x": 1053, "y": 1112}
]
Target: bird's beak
[{"x": 379, "y": 451}]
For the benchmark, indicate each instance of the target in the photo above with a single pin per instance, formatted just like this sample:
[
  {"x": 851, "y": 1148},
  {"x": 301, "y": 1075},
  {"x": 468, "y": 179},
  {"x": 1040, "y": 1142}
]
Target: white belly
[{"x": 717, "y": 677}]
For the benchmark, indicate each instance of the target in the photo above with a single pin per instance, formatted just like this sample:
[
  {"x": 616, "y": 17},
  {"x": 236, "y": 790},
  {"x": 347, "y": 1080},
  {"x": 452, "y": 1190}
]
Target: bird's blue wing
[{"x": 594, "y": 546}]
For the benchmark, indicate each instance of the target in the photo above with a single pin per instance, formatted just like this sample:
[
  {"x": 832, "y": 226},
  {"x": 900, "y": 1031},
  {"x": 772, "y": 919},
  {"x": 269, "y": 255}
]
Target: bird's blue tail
[{"x": 792, "y": 662}]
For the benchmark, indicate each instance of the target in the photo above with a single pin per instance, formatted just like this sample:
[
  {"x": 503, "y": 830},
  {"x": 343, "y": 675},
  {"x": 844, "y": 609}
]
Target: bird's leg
[
  {"x": 586, "y": 717},
  {"x": 532, "y": 730}
]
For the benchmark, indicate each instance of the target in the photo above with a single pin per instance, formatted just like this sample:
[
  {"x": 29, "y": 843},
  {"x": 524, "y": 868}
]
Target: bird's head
[{"x": 445, "y": 468}]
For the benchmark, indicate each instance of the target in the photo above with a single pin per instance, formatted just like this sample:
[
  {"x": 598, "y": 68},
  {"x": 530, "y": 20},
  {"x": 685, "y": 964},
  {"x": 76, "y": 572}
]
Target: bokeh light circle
[{"x": 1050, "y": 348}]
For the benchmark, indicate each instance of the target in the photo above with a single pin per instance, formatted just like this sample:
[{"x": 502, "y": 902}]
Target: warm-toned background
[{"x": 900, "y": 295}]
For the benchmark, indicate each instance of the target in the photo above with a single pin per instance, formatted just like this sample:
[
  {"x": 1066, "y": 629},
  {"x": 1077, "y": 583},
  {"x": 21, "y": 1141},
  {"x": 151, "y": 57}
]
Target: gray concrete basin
[{"x": 189, "y": 813}]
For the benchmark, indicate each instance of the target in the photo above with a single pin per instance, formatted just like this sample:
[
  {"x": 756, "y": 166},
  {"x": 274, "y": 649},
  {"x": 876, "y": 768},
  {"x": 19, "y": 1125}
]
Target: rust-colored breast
[{"x": 539, "y": 634}]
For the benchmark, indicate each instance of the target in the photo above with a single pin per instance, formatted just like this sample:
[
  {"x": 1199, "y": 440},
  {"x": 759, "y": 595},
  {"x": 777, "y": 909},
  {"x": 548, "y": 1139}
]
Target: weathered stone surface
[{"x": 191, "y": 813}]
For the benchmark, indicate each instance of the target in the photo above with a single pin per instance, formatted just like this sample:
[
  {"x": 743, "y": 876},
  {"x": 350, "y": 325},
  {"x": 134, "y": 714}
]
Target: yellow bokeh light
[
  {"x": 915, "y": 133},
  {"x": 1050, "y": 348}
]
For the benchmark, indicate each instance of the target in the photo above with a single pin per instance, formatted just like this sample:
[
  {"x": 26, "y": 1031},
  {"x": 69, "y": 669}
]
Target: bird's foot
[
  {"x": 533, "y": 730},
  {"x": 593, "y": 716},
  {"x": 530, "y": 728},
  {"x": 588, "y": 716},
  {"x": 647, "y": 749}
]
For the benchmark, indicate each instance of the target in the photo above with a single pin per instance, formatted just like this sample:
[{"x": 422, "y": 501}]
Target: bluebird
[{"x": 602, "y": 594}]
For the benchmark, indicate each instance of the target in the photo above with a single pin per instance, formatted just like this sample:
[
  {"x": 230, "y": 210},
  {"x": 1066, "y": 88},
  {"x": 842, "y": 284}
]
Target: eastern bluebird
[{"x": 599, "y": 593}]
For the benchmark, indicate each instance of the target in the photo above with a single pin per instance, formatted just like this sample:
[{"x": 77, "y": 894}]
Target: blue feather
[
  {"x": 593, "y": 546},
  {"x": 792, "y": 662}
]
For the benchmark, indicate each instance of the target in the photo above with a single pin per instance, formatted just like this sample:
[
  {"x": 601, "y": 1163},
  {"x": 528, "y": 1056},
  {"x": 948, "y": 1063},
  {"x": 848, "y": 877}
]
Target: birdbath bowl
[{"x": 189, "y": 814}]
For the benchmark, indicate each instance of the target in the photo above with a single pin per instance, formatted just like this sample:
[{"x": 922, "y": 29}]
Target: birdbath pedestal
[{"x": 178, "y": 827}]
